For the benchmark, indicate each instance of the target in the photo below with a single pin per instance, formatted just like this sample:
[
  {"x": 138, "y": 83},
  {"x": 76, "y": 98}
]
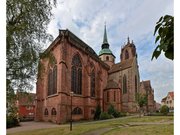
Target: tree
[
  {"x": 164, "y": 110},
  {"x": 141, "y": 100},
  {"x": 165, "y": 36},
  {"x": 26, "y": 24},
  {"x": 97, "y": 112}
]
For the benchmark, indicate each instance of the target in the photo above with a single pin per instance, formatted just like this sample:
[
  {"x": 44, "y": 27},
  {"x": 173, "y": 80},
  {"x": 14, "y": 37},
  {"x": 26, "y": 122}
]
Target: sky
[{"x": 123, "y": 18}]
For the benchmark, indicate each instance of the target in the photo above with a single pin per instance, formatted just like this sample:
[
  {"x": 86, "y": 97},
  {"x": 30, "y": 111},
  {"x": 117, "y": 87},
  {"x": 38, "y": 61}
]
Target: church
[{"x": 78, "y": 80}]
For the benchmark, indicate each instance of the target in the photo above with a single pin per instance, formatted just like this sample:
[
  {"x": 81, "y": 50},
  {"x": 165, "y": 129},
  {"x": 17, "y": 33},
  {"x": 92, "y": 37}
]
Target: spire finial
[
  {"x": 128, "y": 40},
  {"x": 105, "y": 40}
]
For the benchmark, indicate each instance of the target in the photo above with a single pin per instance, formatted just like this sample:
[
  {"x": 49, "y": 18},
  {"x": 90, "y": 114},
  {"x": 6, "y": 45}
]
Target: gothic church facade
[{"x": 93, "y": 79}]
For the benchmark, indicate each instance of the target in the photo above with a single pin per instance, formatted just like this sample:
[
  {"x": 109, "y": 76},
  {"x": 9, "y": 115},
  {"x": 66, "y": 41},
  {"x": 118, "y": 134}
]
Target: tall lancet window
[
  {"x": 50, "y": 82},
  {"x": 135, "y": 84},
  {"x": 93, "y": 84},
  {"x": 126, "y": 55},
  {"x": 124, "y": 84},
  {"x": 55, "y": 79},
  {"x": 76, "y": 75}
]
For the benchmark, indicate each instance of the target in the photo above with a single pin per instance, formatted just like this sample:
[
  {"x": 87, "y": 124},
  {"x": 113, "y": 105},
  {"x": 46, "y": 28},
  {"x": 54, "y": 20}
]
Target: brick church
[{"x": 78, "y": 73}]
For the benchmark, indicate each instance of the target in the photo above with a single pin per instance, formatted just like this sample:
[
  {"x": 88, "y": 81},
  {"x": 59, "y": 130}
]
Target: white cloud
[{"x": 85, "y": 18}]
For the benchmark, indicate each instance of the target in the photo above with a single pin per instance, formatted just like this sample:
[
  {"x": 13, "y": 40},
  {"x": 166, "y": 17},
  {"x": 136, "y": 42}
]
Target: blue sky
[{"x": 133, "y": 18}]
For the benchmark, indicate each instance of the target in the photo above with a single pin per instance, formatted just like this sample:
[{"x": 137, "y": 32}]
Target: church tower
[
  {"x": 128, "y": 51},
  {"x": 106, "y": 54}
]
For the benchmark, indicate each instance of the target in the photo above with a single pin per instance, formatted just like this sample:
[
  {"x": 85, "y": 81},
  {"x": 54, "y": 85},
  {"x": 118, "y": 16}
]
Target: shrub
[
  {"x": 105, "y": 115},
  {"x": 97, "y": 112},
  {"x": 12, "y": 121},
  {"x": 164, "y": 110},
  {"x": 113, "y": 112}
]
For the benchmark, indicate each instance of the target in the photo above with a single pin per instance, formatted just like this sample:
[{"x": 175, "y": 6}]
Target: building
[
  {"x": 26, "y": 105},
  {"x": 94, "y": 79},
  {"x": 146, "y": 89},
  {"x": 169, "y": 101}
]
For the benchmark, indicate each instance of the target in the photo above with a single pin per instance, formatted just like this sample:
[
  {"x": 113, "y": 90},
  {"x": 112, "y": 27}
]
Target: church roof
[
  {"x": 105, "y": 51},
  {"x": 74, "y": 40},
  {"x": 147, "y": 85},
  {"x": 111, "y": 85},
  {"x": 121, "y": 66}
]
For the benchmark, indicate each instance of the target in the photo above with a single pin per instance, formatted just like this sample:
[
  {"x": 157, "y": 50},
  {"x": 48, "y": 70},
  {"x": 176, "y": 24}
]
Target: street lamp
[{"x": 71, "y": 94}]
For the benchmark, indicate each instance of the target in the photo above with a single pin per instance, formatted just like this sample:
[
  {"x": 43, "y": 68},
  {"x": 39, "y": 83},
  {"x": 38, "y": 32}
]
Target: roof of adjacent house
[
  {"x": 121, "y": 66},
  {"x": 111, "y": 84},
  {"x": 164, "y": 99},
  {"x": 171, "y": 94},
  {"x": 25, "y": 98}
]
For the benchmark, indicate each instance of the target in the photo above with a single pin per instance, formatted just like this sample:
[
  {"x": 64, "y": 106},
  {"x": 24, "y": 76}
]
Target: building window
[
  {"x": 46, "y": 111},
  {"x": 108, "y": 96},
  {"x": 77, "y": 111},
  {"x": 124, "y": 84},
  {"x": 53, "y": 111},
  {"x": 93, "y": 84},
  {"x": 107, "y": 58},
  {"x": 126, "y": 55},
  {"x": 135, "y": 84},
  {"x": 76, "y": 75},
  {"x": 52, "y": 81},
  {"x": 114, "y": 96}
]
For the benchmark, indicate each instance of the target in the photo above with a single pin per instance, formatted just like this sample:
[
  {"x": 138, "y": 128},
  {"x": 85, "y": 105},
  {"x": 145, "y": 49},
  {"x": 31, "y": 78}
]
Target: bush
[
  {"x": 113, "y": 112},
  {"x": 105, "y": 115},
  {"x": 164, "y": 110},
  {"x": 97, "y": 113},
  {"x": 12, "y": 121}
]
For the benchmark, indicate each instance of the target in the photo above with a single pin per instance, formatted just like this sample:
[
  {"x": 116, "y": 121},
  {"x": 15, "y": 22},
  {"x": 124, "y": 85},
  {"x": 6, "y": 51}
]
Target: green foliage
[
  {"x": 11, "y": 121},
  {"x": 113, "y": 112},
  {"x": 105, "y": 115},
  {"x": 141, "y": 99},
  {"x": 26, "y": 23},
  {"x": 97, "y": 112},
  {"x": 164, "y": 110},
  {"x": 165, "y": 35}
]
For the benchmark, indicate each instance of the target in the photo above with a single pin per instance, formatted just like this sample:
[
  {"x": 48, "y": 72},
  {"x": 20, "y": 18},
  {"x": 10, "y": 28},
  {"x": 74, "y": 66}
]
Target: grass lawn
[
  {"x": 114, "y": 123},
  {"x": 143, "y": 130}
]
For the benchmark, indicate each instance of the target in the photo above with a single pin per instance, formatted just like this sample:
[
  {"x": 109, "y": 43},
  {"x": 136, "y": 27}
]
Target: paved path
[{"x": 25, "y": 126}]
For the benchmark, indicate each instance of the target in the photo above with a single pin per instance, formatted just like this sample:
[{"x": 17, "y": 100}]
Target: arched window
[
  {"x": 53, "y": 111},
  {"x": 114, "y": 96},
  {"x": 50, "y": 82},
  {"x": 46, "y": 111},
  {"x": 135, "y": 84},
  {"x": 126, "y": 54},
  {"x": 77, "y": 111},
  {"x": 108, "y": 96},
  {"x": 107, "y": 58},
  {"x": 124, "y": 84},
  {"x": 55, "y": 80},
  {"x": 93, "y": 84},
  {"x": 76, "y": 75}
]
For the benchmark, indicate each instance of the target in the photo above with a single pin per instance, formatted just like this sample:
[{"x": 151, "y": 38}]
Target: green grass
[
  {"x": 114, "y": 123},
  {"x": 143, "y": 130}
]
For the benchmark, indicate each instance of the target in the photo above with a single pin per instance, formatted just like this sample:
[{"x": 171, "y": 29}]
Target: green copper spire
[
  {"x": 105, "y": 43},
  {"x": 105, "y": 40}
]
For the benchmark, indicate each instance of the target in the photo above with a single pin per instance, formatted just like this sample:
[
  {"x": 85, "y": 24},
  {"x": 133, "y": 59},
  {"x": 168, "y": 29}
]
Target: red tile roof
[
  {"x": 171, "y": 94},
  {"x": 121, "y": 66}
]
